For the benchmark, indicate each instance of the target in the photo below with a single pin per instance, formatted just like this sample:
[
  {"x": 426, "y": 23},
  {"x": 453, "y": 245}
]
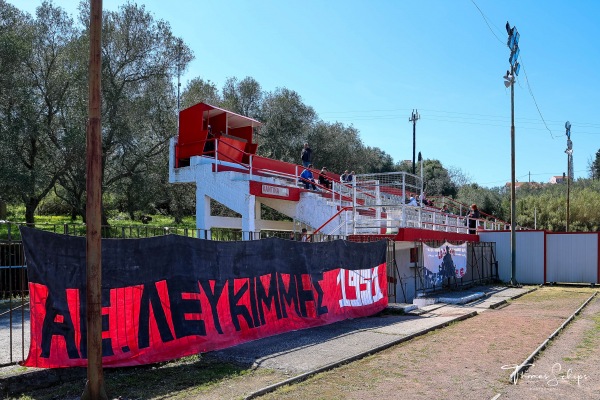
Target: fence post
[{"x": 216, "y": 155}]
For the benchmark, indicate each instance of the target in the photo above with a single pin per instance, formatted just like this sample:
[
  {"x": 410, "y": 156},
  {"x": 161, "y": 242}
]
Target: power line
[
  {"x": 401, "y": 112},
  {"x": 463, "y": 120},
  {"x": 429, "y": 111},
  {"x": 485, "y": 18},
  {"x": 534, "y": 100}
]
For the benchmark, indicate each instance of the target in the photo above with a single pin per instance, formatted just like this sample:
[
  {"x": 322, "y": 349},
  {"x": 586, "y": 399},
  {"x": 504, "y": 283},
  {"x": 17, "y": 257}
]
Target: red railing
[{"x": 331, "y": 219}]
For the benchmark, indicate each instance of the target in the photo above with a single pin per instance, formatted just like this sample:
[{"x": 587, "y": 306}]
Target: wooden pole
[{"x": 94, "y": 388}]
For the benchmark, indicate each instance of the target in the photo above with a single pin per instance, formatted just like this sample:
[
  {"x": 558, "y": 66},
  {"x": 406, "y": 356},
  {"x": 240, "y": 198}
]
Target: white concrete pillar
[
  {"x": 202, "y": 213},
  {"x": 249, "y": 217}
]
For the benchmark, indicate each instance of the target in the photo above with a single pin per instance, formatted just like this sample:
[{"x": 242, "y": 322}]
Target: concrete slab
[
  {"x": 466, "y": 298},
  {"x": 414, "y": 325},
  {"x": 404, "y": 307}
]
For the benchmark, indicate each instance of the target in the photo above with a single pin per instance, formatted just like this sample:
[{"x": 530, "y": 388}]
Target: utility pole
[
  {"x": 509, "y": 80},
  {"x": 422, "y": 182},
  {"x": 414, "y": 118},
  {"x": 94, "y": 388},
  {"x": 569, "y": 152},
  {"x": 179, "y": 49}
]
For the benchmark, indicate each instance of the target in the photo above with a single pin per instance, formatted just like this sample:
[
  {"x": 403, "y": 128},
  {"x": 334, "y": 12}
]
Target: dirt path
[
  {"x": 462, "y": 361},
  {"x": 569, "y": 368}
]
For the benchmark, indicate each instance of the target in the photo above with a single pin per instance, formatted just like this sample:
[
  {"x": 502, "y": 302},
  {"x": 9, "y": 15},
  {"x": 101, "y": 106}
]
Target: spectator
[
  {"x": 473, "y": 217},
  {"x": 292, "y": 235},
  {"x": 413, "y": 202},
  {"x": 323, "y": 180},
  {"x": 304, "y": 237},
  {"x": 306, "y": 155},
  {"x": 344, "y": 177},
  {"x": 350, "y": 177},
  {"x": 307, "y": 178},
  {"x": 445, "y": 209}
]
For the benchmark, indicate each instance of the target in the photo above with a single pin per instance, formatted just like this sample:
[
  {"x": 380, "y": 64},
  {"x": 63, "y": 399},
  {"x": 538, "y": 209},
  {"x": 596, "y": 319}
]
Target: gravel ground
[
  {"x": 570, "y": 367},
  {"x": 19, "y": 339}
]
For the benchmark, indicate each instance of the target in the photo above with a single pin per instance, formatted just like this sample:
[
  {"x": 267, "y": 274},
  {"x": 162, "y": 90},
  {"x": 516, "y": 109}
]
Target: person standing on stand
[
  {"x": 473, "y": 216},
  {"x": 306, "y": 155}
]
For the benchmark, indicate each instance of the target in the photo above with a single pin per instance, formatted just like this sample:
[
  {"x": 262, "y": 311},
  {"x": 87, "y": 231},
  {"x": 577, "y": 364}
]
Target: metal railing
[
  {"x": 482, "y": 268},
  {"x": 380, "y": 202}
]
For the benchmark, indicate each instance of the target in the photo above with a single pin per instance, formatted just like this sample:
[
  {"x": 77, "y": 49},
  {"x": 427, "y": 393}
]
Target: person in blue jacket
[{"x": 307, "y": 178}]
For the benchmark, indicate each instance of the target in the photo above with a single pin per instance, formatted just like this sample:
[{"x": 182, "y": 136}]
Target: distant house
[
  {"x": 557, "y": 179},
  {"x": 518, "y": 185}
]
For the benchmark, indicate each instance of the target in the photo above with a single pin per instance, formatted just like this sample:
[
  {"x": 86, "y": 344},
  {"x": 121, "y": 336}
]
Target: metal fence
[{"x": 482, "y": 268}]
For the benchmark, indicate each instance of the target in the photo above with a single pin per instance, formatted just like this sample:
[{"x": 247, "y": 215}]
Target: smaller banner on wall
[{"x": 446, "y": 261}]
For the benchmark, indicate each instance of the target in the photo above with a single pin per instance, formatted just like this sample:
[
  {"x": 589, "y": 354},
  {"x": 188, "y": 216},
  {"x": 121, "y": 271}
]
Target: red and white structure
[{"x": 215, "y": 149}]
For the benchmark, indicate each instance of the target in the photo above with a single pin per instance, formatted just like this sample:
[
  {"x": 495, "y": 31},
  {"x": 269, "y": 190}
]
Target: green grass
[
  {"x": 120, "y": 225},
  {"x": 589, "y": 343}
]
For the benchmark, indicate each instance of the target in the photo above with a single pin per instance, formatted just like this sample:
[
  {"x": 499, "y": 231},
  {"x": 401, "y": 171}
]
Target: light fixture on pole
[
  {"x": 569, "y": 152},
  {"x": 509, "y": 81}
]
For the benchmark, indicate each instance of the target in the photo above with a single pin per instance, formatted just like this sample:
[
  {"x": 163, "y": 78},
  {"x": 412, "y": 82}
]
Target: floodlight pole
[
  {"x": 513, "y": 44},
  {"x": 513, "y": 197},
  {"x": 569, "y": 152},
  {"x": 94, "y": 387},
  {"x": 414, "y": 118}
]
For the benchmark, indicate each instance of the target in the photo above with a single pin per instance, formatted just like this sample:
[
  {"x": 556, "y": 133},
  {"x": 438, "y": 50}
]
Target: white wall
[
  {"x": 572, "y": 257},
  {"x": 406, "y": 273},
  {"x": 529, "y": 253}
]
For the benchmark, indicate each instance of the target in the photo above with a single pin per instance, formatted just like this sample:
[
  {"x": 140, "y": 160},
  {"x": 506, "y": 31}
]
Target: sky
[{"x": 371, "y": 63}]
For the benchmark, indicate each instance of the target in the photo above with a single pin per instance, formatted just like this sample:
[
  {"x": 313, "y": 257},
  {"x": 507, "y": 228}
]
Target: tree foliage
[
  {"x": 38, "y": 135},
  {"x": 43, "y": 117},
  {"x": 594, "y": 166},
  {"x": 436, "y": 177},
  {"x": 200, "y": 91},
  {"x": 288, "y": 123},
  {"x": 15, "y": 46},
  {"x": 489, "y": 201},
  {"x": 243, "y": 97}
]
